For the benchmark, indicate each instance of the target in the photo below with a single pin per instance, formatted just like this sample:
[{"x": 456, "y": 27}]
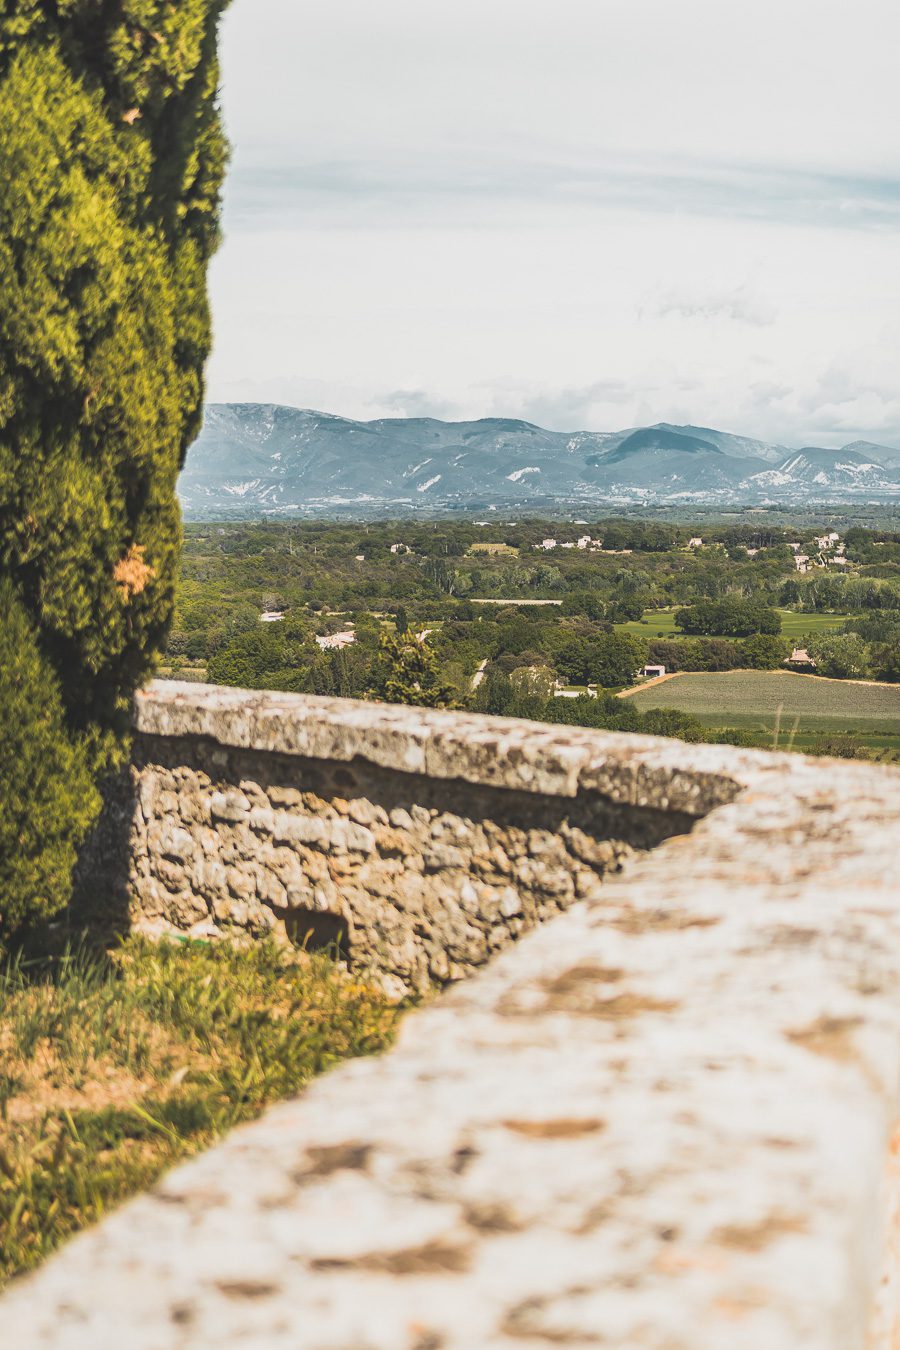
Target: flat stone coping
[
  {"x": 501, "y": 752},
  {"x": 664, "y": 1121}
]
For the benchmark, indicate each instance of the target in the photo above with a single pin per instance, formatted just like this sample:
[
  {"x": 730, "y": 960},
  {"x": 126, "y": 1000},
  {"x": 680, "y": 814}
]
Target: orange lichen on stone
[
  {"x": 828, "y": 1036},
  {"x": 562, "y": 1128},
  {"x": 753, "y": 1237}
]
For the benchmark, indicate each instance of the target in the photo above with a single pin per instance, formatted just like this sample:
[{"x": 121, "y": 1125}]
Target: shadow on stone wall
[
  {"x": 101, "y": 887},
  {"x": 419, "y": 879}
]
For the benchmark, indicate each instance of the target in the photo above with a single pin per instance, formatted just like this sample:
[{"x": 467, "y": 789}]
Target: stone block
[
  {"x": 346, "y": 835},
  {"x": 262, "y": 820},
  {"x": 231, "y": 806},
  {"x": 301, "y": 830},
  {"x": 175, "y": 842},
  {"x": 444, "y": 858}
]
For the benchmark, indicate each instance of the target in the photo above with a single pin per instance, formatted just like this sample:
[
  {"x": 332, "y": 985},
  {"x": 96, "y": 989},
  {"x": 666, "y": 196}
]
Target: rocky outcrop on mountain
[{"x": 814, "y": 468}]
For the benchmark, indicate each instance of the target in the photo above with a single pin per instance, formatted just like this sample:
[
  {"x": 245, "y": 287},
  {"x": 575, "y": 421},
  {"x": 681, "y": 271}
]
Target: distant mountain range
[{"x": 252, "y": 459}]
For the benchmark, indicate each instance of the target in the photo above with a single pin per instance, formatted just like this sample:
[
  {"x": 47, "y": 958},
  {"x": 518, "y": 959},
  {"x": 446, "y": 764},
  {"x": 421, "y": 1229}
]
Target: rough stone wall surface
[
  {"x": 666, "y": 1120},
  {"x": 421, "y": 877}
]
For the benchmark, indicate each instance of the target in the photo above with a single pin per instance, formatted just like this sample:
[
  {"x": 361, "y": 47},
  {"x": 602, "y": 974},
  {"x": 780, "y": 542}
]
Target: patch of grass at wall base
[{"x": 115, "y": 1066}]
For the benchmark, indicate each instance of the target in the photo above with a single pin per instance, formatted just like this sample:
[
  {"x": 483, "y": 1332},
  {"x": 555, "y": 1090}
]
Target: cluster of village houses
[
  {"x": 831, "y": 553},
  {"x": 593, "y": 545},
  {"x": 585, "y": 542}
]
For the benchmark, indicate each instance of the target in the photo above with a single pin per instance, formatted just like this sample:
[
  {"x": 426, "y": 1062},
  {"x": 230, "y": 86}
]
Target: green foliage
[
  {"x": 627, "y": 610},
  {"x": 837, "y": 745},
  {"x": 111, "y": 159},
  {"x": 886, "y": 661},
  {"x": 764, "y": 651},
  {"x": 731, "y": 617},
  {"x": 587, "y": 604},
  {"x": 609, "y": 713},
  {"x": 48, "y": 796},
  {"x": 407, "y": 672},
  {"x": 841, "y": 656},
  {"x": 607, "y": 659},
  {"x": 266, "y": 657}
]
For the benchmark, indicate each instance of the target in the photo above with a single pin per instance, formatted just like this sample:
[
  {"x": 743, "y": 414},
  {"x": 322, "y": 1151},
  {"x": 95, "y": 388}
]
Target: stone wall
[
  {"x": 669, "y": 1119},
  {"x": 227, "y": 822}
]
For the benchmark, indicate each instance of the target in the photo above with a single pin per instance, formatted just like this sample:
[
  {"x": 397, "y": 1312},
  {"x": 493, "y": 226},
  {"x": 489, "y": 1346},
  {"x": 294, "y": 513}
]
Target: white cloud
[{"x": 738, "y": 305}]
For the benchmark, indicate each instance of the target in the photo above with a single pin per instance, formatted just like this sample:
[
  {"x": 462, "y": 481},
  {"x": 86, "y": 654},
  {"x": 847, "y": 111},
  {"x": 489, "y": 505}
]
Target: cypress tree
[
  {"x": 48, "y": 797},
  {"x": 111, "y": 163}
]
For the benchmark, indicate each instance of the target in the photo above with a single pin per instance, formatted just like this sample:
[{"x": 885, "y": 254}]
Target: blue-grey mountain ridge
[{"x": 264, "y": 459}]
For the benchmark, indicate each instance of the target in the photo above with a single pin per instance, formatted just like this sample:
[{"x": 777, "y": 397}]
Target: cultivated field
[
  {"x": 661, "y": 623},
  {"x": 750, "y": 699}
]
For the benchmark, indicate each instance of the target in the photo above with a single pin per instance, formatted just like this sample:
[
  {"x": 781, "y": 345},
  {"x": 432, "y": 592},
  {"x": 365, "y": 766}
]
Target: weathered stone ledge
[
  {"x": 497, "y": 752},
  {"x": 666, "y": 1120}
]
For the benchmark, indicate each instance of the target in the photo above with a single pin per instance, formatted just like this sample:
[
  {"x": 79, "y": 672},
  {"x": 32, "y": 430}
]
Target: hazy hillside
[{"x": 253, "y": 458}]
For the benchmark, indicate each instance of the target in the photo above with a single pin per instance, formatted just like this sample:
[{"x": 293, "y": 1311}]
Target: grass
[
  {"x": 661, "y": 623},
  {"x": 818, "y": 708},
  {"x": 114, "y": 1066}
]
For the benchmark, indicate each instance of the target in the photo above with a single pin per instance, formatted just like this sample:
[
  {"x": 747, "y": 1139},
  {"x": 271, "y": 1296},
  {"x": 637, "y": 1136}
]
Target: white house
[
  {"x": 272, "y": 616},
  {"x": 653, "y": 672},
  {"x": 547, "y": 544},
  {"x": 695, "y": 543},
  {"x": 335, "y": 641}
]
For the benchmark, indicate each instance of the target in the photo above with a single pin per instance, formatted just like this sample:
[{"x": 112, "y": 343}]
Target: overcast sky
[{"x": 588, "y": 213}]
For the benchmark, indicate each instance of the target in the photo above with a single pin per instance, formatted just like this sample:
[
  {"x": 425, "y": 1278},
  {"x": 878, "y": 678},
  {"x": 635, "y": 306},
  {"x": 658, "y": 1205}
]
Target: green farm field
[
  {"x": 661, "y": 623},
  {"x": 750, "y": 700}
]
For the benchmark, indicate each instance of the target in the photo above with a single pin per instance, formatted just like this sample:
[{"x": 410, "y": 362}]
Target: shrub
[
  {"x": 662, "y": 652},
  {"x": 840, "y": 656},
  {"x": 711, "y": 654},
  {"x": 609, "y": 713},
  {"x": 48, "y": 797},
  {"x": 731, "y": 617},
  {"x": 627, "y": 610},
  {"x": 764, "y": 651},
  {"x": 407, "y": 671},
  {"x": 609, "y": 659},
  {"x": 111, "y": 159},
  {"x": 586, "y": 604}
]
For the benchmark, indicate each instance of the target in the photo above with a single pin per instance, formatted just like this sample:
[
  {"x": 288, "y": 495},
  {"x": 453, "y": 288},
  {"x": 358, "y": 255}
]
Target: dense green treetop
[
  {"x": 730, "y": 617},
  {"x": 111, "y": 160}
]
